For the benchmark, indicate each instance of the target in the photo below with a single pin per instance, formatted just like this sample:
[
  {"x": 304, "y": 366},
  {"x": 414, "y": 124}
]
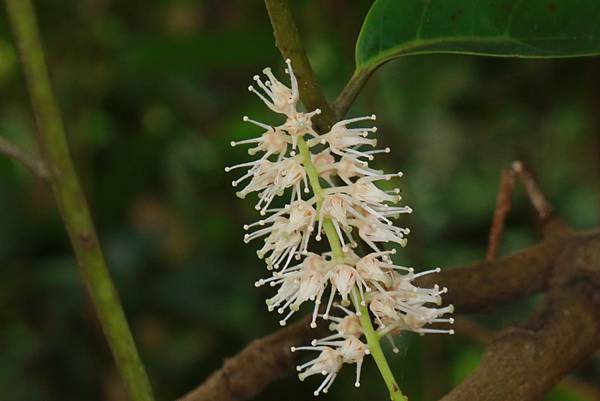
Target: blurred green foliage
[{"x": 152, "y": 93}]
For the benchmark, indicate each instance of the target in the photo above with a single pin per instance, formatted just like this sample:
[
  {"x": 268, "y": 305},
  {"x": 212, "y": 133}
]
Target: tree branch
[
  {"x": 289, "y": 43},
  {"x": 484, "y": 336},
  {"x": 522, "y": 364},
  {"x": 36, "y": 166},
  {"x": 72, "y": 203},
  {"x": 485, "y": 285},
  {"x": 477, "y": 287}
]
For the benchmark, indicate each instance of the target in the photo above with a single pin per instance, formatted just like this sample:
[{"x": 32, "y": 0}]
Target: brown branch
[
  {"x": 503, "y": 204},
  {"x": 35, "y": 165},
  {"x": 484, "y": 285},
  {"x": 537, "y": 198},
  {"x": 478, "y": 287},
  {"x": 289, "y": 43},
  {"x": 480, "y": 334},
  {"x": 522, "y": 364},
  {"x": 552, "y": 225}
]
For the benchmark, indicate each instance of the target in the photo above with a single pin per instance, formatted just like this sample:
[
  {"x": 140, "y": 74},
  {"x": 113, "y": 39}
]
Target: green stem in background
[
  {"x": 373, "y": 340},
  {"x": 72, "y": 203}
]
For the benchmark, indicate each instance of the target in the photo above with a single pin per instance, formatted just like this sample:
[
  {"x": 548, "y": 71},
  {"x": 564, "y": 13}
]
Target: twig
[
  {"x": 348, "y": 95},
  {"x": 537, "y": 198},
  {"x": 36, "y": 166},
  {"x": 72, "y": 203},
  {"x": 552, "y": 225},
  {"x": 503, "y": 204},
  {"x": 289, "y": 43}
]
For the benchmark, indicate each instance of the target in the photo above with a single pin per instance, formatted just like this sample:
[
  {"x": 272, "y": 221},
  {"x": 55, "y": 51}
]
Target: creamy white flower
[
  {"x": 300, "y": 124},
  {"x": 349, "y": 167},
  {"x": 349, "y": 200},
  {"x": 324, "y": 162},
  {"x": 273, "y": 140},
  {"x": 373, "y": 232},
  {"x": 402, "y": 307},
  {"x": 335, "y": 350},
  {"x": 348, "y": 325},
  {"x": 288, "y": 232},
  {"x": 279, "y": 97},
  {"x": 299, "y": 284},
  {"x": 328, "y": 364},
  {"x": 343, "y": 140}
]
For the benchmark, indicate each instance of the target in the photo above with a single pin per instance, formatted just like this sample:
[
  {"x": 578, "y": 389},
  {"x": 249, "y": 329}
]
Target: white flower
[
  {"x": 328, "y": 364},
  {"x": 343, "y": 140},
  {"x": 279, "y": 97},
  {"x": 301, "y": 283},
  {"x": 342, "y": 347},
  {"x": 300, "y": 124},
  {"x": 288, "y": 231},
  {"x": 402, "y": 307},
  {"x": 372, "y": 232},
  {"x": 349, "y": 325},
  {"x": 272, "y": 141},
  {"x": 335, "y": 350},
  {"x": 348, "y": 198}
]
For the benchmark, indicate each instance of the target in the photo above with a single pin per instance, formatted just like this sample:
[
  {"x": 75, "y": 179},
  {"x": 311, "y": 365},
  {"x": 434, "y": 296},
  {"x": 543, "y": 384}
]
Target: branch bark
[{"x": 522, "y": 364}]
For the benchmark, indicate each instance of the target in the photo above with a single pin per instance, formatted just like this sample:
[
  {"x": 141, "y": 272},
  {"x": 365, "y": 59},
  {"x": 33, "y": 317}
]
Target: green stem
[
  {"x": 313, "y": 178},
  {"x": 373, "y": 340},
  {"x": 72, "y": 203}
]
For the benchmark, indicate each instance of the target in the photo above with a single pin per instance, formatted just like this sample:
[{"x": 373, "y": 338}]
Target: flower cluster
[{"x": 333, "y": 192}]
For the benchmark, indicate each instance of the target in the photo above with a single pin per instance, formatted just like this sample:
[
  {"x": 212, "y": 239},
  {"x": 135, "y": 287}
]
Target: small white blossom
[
  {"x": 298, "y": 284},
  {"x": 343, "y": 140},
  {"x": 288, "y": 231},
  {"x": 328, "y": 364},
  {"x": 279, "y": 97},
  {"x": 342, "y": 347}
]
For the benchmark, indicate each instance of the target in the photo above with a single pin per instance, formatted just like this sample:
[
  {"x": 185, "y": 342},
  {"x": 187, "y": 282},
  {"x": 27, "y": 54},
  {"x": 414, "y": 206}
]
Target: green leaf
[{"x": 503, "y": 28}]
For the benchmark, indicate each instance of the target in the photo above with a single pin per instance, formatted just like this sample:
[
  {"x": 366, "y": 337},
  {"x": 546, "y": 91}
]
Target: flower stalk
[
  {"x": 373, "y": 339},
  {"x": 333, "y": 188}
]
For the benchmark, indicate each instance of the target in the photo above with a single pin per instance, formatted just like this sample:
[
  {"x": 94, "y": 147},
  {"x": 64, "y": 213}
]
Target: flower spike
[{"x": 331, "y": 190}]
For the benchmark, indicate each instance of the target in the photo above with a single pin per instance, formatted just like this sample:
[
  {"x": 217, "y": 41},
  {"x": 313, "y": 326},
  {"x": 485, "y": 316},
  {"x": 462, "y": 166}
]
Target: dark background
[{"x": 153, "y": 91}]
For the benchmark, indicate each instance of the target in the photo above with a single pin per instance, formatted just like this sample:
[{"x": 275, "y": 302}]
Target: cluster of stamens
[{"x": 347, "y": 199}]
